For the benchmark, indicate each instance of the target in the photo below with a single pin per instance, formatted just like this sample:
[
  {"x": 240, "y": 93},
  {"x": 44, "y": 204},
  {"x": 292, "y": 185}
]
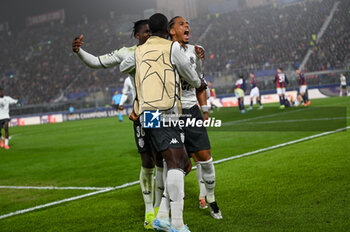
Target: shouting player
[
  {"x": 140, "y": 32},
  {"x": 302, "y": 97},
  {"x": 254, "y": 92},
  {"x": 281, "y": 81},
  {"x": 5, "y": 102},
  {"x": 196, "y": 138}
]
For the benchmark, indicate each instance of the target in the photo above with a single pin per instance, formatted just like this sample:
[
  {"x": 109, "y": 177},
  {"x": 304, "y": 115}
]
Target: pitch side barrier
[
  {"x": 57, "y": 117},
  {"x": 103, "y": 112}
]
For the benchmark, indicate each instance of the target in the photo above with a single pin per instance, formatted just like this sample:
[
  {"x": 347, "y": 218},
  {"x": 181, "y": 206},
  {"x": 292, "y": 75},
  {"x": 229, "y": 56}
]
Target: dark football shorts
[
  {"x": 196, "y": 138},
  {"x": 2, "y": 122},
  {"x": 116, "y": 107},
  {"x": 343, "y": 86},
  {"x": 142, "y": 142},
  {"x": 165, "y": 137}
]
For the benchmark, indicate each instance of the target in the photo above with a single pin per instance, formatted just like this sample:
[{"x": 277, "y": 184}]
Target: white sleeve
[
  {"x": 104, "y": 61},
  {"x": 128, "y": 65},
  {"x": 12, "y": 101},
  {"x": 184, "y": 66},
  {"x": 127, "y": 89}
]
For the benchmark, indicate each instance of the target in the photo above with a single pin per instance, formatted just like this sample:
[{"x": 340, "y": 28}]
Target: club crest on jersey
[{"x": 191, "y": 60}]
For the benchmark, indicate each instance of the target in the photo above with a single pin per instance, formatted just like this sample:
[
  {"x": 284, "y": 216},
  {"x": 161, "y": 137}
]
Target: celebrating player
[
  {"x": 302, "y": 97},
  {"x": 196, "y": 138},
  {"x": 343, "y": 85},
  {"x": 239, "y": 92},
  {"x": 5, "y": 102},
  {"x": 164, "y": 60},
  {"x": 254, "y": 92},
  {"x": 281, "y": 81},
  {"x": 140, "y": 32}
]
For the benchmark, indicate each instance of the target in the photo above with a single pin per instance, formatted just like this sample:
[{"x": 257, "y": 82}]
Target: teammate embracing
[
  {"x": 148, "y": 157},
  {"x": 196, "y": 138}
]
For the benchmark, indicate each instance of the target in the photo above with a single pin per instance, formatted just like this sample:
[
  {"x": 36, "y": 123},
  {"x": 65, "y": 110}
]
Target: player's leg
[
  {"x": 341, "y": 91},
  {"x": 202, "y": 189},
  {"x": 162, "y": 220},
  {"x": 258, "y": 99},
  {"x": 119, "y": 112},
  {"x": 146, "y": 172},
  {"x": 2, "y": 138},
  {"x": 208, "y": 174},
  {"x": 159, "y": 190},
  {"x": 251, "y": 101},
  {"x": 7, "y": 134}
]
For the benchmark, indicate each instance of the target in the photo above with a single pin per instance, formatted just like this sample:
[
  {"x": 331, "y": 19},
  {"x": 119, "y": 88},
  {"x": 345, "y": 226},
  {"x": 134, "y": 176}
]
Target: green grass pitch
[{"x": 299, "y": 187}]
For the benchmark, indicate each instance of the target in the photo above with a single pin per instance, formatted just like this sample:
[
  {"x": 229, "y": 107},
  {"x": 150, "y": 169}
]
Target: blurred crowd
[
  {"x": 260, "y": 38},
  {"x": 38, "y": 63},
  {"x": 333, "y": 48}
]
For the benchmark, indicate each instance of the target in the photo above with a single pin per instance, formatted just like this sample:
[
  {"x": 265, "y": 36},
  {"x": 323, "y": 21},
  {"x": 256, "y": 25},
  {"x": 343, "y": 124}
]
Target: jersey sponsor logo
[{"x": 151, "y": 119}]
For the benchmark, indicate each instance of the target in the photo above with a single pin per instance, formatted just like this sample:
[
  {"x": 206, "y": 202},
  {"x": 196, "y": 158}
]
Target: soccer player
[
  {"x": 158, "y": 64},
  {"x": 212, "y": 96},
  {"x": 281, "y": 81},
  {"x": 5, "y": 102},
  {"x": 302, "y": 97},
  {"x": 115, "y": 103},
  {"x": 141, "y": 33},
  {"x": 239, "y": 92},
  {"x": 343, "y": 85},
  {"x": 254, "y": 92},
  {"x": 196, "y": 138}
]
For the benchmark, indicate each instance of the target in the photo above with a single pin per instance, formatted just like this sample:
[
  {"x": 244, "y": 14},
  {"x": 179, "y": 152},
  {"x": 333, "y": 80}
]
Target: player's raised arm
[
  {"x": 104, "y": 61},
  {"x": 128, "y": 65}
]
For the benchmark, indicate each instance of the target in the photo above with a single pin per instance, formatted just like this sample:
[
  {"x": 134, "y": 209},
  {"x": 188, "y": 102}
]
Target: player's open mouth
[{"x": 187, "y": 34}]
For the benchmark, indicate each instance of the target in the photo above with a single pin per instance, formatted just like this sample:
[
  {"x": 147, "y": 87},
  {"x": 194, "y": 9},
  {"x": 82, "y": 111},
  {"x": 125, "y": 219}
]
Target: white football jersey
[
  {"x": 4, "y": 106},
  {"x": 342, "y": 80},
  {"x": 188, "y": 96},
  {"x": 128, "y": 89},
  {"x": 116, "y": 57}
]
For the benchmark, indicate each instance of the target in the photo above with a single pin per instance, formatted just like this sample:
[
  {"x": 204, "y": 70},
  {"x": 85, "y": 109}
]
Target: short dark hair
[
  {"x": 172, "y": 21},
  {"x": 158, "y": 23},
  {"x": 138, "y": 25}
]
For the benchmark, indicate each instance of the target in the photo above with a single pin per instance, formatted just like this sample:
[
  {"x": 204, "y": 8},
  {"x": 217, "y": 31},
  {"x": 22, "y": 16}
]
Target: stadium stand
[{"x": 38, "y": 63}]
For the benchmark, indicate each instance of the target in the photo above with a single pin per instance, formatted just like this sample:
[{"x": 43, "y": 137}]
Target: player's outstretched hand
[
  {"x": 133, "y": 116},
  {"x": 77, "y": 42},
  {"x": 121, "y": 107},
  {"x": 200, "y": 52}
]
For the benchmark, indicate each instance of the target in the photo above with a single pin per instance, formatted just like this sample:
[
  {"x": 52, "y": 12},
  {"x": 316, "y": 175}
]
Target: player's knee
[
  {"x": 203, "y": 155},
  {"x": 147, "y": 160}
]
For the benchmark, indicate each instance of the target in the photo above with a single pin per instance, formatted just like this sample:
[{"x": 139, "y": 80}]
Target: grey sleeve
[{"x": 184, "y": 66}]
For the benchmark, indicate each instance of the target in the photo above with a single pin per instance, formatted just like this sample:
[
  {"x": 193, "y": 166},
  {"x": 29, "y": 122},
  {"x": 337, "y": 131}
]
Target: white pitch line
[
  {"x": 136, "y": 182},
  {"x": 53, "y": 187},
  {"x": 296, "y": 120},
  {"x": 281, "y": 145},
  {"x": 54, "y": 203},
  {"x": 264, "y": 116}
]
